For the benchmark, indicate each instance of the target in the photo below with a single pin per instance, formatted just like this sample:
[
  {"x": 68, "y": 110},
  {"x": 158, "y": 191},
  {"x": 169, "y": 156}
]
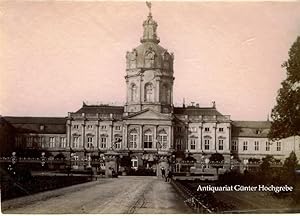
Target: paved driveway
[{"x": 126, "y": 194}]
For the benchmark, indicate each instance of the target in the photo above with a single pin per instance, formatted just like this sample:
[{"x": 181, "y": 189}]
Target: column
[
  {"x": 229, "y": 138},
  {"x": 157, "y": 90},
  {"x": 141, "y": 137},
  {"x": 83, "y": 134},
  {"x": 111, "y": 135},
  {"x": 141, "y": 90},
  {"x": 200, "y": 137},
  {"x": 125, "y": 137},
  {"x": 172, "y": 137},
  {"x": 170, "y": 134},
  {"x": 215, "y": 135},
  {"x": 187, "y": 136},
  {"x": 155, "y": 137},
  {"x": 97, "y": 133},
  {"x": 69, "y": 137}
]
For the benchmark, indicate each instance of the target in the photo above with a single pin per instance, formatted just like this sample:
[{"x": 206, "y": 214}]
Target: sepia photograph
[{"x": 149, "y": 107}]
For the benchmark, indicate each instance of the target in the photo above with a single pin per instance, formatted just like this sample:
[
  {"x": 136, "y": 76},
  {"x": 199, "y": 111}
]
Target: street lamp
[
  {"x": 13, "y": 158},
  {"x": 202, "y": 162},
  {"x": 43, "y": 161},
  {"x": 231, "y": 158},
  {"x": 245, "y": 163},
  {"x": 206, "y": 161}
]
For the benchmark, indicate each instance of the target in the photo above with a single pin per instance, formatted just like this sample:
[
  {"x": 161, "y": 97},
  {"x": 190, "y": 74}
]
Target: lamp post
[
  {"x": 206, "y": 161},
  {"x": 202, "y": 162},
  {"x": 43, "y": 161},
  {"x": 11, "y": 168},
  {"x": 245, "y": 163},
  {"x": 13, "y": 158},
  {"x": 231, "y": 158}
]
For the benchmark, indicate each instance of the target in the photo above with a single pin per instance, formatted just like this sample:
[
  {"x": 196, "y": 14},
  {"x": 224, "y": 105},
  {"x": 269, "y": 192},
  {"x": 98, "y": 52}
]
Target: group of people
[{"x": 167, "y": 176}]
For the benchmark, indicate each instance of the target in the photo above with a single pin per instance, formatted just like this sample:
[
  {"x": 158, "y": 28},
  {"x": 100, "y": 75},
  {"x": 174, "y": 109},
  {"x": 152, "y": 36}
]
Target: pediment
[{"x": 149, "y": 114}]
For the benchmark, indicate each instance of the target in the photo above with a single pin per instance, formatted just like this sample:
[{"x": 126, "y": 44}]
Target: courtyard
[{"x": 134, "y": 194}]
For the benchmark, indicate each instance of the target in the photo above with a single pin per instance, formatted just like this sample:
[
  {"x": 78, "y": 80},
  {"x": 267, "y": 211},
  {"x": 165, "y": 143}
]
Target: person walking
[
  {"x": 163, "y": 172},
  {"x": 169, "y": 176}
]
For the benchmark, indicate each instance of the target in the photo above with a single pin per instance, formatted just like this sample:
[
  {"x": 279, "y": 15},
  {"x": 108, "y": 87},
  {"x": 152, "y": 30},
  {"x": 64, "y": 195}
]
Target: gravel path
[{"x": 126, "y": 194}]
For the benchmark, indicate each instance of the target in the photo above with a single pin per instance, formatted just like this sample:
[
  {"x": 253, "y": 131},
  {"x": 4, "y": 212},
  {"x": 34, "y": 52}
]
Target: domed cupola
[
  {"x": 150, "y": 27},
  {"x": 149, "y": 74}
]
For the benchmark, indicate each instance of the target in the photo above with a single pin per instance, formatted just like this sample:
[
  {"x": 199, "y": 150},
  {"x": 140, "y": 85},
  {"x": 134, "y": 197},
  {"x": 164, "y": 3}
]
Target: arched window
[
  {"x": 133, "y": 92},
  {"x": 163, "y": 139},
  {"x": 149, "y": 92},
  {"x": 133, "y": 137},
  {"x": 148, "y": 139}
]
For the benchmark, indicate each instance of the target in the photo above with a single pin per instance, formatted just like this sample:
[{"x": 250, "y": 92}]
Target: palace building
[{"x": 148, "y": 128}]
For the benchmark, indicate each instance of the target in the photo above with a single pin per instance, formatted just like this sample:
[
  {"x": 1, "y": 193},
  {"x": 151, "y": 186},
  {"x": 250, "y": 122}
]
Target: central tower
[{"x": 149, "y": 73}]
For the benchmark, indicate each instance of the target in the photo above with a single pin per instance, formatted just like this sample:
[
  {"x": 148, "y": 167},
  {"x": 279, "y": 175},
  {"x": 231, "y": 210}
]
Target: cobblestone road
[{"x": 126, "y": 194}]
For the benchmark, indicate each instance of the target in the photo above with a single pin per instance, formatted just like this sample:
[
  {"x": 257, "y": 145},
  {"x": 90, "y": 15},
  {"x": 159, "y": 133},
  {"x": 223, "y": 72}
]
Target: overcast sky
[{"x": 54, "y": 55}]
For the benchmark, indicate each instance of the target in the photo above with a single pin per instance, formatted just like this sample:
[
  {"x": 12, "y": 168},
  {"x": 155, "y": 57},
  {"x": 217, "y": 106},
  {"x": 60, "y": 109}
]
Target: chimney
[{"x": 197, "y": 105}]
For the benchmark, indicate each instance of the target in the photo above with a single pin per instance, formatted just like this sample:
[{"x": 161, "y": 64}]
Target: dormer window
[
  {"x": 258, "y": 131},
  {"x": 42, "y": 127}
]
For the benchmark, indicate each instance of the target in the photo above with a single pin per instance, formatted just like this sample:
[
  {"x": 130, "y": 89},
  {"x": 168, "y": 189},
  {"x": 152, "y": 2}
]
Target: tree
[
  {"x": 289, "y": 167},
  {"x": 217, "y": 160},
  {"x": 286, "y": 113}
]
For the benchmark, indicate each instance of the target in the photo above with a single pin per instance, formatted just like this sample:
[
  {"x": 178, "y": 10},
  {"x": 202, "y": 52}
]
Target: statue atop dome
[
  {"x": 149, "y": 6},
  {"x": 150, "y": 27}
]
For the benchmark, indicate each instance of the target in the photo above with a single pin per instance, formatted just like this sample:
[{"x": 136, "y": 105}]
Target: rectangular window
[
  {"x": 234, "y": 145},
  {"x": 89, "y": 127},
  {"x": 256, "y": 145},
  {"x": 179, "y": 144},
  {"x": 148, "y": 141},
  {"x": 89, "y": 142},
  {"x": 118, "y": 127},
  {"x": 193, "y": 129},
  {"x": 133, "y": 140},
  {"x": 267, "y": 146},
  {"x": 193, "y": 143},
  {"x": 18, "y": 141},
  {"x": 118, "y": 141},
  {"x": 278, "y": 146},
  {"x": 75, "y": 142},
  {"x": 103, "y": 142},
  {"x": 206, "y": 144},
  {"x": 103, "y": 127},
  {"x": 221, "y": 144},
  {"x": 76, "y": 126},
  {"x": 52, "y": 142},
  {"x": 245, "y": 146},
  {"x": 29, "y": 141},
  {"x": 163, "y": 140},
  {"x": 221, "y": 129},
  {"x": 134, "y": 162},
  {"x": 178, "y": 129},
  {"x": 206, "y": 129},
  {"x": 63, "y": 142}
]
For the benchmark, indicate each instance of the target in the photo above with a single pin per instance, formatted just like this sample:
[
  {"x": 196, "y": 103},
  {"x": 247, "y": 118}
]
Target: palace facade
[{"x": 148, "y": 128}]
